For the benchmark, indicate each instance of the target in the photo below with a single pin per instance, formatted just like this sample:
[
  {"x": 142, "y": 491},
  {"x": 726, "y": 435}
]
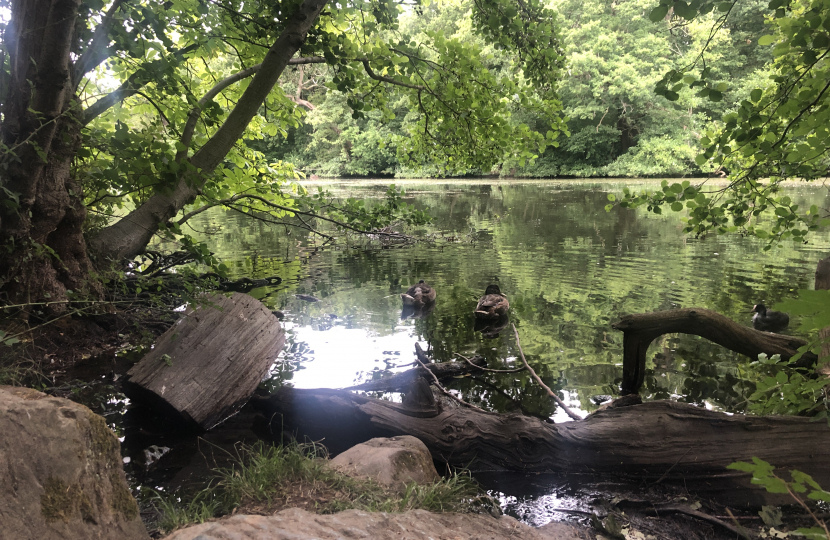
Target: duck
[
  {"x": 416, "y": 312},
  {"x": 492, "y": 305},
  {"x": 419, "y": 295},
  {"x": 768, "y": 321}
]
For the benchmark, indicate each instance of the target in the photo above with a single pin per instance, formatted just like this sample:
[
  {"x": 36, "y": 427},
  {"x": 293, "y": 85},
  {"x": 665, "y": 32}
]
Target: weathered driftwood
[
  {"x": 640, "y": 329},
  {"x": 653, "y": 442},
  {"x": 399, "y": 382},
  {"x": 210, "y": 361}
]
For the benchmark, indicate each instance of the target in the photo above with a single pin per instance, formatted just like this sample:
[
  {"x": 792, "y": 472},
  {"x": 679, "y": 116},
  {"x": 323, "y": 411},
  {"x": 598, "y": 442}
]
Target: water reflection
[{"x": 568, "y": 267}]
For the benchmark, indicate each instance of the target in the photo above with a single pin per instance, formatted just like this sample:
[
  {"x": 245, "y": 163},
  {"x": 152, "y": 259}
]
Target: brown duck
[
  {"x": 493, "y": 304},
  {"x": 419, "y": 295}
]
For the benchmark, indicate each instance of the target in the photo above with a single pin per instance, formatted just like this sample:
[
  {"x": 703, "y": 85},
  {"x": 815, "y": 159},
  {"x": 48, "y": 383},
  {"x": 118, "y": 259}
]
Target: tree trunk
[
  {"x": 823, "y": 284},
  {"x": 651, "y": 442},
  {"x": 41, "y": 210},
  {"x": 130, "y": 235},
  {"x": 641, "y": 329}
]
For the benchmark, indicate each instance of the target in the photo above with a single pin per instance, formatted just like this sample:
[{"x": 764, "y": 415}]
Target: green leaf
[
  {"x": 658, "y": 13},
  {"x": 771, "y": 516},
  {"x": 766, "y": 40}
]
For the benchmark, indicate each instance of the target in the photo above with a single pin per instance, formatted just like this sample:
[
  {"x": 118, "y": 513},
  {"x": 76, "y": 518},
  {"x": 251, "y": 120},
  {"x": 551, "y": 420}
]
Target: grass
[{"x": 266, "y": 479}]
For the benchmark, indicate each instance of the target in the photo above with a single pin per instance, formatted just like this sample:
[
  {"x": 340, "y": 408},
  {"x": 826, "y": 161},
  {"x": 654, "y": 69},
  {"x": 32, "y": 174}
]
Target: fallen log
[
  {"x": 399, "y": 382},
  {"x": 651, "y": 442},
  {"x": 207, "y": 365},
  {"x": 640, "y": 329}
]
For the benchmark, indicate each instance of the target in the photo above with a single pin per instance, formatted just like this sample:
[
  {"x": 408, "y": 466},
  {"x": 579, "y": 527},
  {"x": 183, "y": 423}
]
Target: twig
[
  {"x": 539, "y": 380},
  {"x": 488, "y": 369},
  {"x": 444, "y": 390}
]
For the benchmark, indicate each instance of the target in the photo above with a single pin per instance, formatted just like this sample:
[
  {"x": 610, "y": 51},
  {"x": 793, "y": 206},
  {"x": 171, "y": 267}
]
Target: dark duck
[
  {"x": 419, "y": 295},
  {"x": 768, "y": 321},
  {"x": 493, "y": 304}
]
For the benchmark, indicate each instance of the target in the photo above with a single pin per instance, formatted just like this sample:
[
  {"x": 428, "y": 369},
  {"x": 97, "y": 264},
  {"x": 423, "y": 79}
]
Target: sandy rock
[
  {"x": 296, "y": 524},
  {"x": 393, "y": 461},
  {"x": 60, "y": 472}
]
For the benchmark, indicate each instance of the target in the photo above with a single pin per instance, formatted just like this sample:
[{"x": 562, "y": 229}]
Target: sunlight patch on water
[{"x": 338, "y": 357}]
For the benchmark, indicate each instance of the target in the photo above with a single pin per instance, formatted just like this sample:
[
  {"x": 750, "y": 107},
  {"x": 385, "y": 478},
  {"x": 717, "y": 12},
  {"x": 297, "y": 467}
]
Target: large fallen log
[
  {"x": 208, "y": 364},
  {"x": 652, "y": 442},
  {"x": 640, "y": 329}
]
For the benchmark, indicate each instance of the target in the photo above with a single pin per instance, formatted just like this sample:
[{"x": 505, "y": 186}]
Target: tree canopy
[
  {"x": 777, "y": 132},
  {"x": 136, "y": 112}
]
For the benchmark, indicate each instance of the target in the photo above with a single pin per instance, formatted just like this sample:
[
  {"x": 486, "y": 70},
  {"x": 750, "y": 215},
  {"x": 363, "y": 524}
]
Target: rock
[
  {"x": 296, "y": 524},
  {"x": 392, "y": 462},
  {"x": 60, "y": 472}
]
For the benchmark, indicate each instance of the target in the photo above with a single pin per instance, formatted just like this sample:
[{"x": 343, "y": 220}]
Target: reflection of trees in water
[{"x": 568, "y": 267}]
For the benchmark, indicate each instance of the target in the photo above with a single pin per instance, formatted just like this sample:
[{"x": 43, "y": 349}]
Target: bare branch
[
  {"x": 240, "y": 196},
  {"x": 128, "y": 88},
  {"x": 97, "y": 51},
  {"x": 446, "y": 392},
  {"x": 516, "y": 370},
  {"x": 389, "y": 80},
  {"x": 550, "y": 392}
]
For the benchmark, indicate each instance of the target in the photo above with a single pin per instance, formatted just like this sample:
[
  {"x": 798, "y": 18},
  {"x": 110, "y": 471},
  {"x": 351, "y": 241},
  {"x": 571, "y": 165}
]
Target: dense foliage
[
  {"x": 142, "y": 114},
  {"x": 618, "y": 125}
]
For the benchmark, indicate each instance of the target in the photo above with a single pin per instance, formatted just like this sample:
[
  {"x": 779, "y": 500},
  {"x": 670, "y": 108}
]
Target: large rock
[
  {"x": 60, "y": 472},
  {"x": 296, "y": 524},
  {"x": 392, "y": 462}
]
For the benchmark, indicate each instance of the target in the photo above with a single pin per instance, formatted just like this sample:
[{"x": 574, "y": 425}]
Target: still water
[{"x": 568, "y": 267}]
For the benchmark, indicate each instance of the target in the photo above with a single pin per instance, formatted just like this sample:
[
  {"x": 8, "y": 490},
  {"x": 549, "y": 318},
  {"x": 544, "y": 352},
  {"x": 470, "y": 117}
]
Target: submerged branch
[{"x": 550, "y": 392}]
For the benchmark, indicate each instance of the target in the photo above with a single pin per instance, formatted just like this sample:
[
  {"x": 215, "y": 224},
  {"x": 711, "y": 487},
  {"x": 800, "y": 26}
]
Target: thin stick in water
[{"x": 550, "y": 392}]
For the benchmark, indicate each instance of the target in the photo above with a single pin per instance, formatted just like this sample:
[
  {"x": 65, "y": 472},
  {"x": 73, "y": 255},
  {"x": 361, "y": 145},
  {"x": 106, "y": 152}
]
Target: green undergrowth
[{"x": 265, "y": 479}]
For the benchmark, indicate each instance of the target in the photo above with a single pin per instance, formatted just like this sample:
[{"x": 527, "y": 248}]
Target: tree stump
[{"x": 205, "y": 367}]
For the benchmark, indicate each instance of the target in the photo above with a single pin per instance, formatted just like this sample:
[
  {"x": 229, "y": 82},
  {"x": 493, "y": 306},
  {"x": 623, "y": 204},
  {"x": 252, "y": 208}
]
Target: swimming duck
[
  {"x": 493, "y": 304},
  {"x": 416, "y": 312},
  {"x": 419, "y": 295},
  {"x": 768, "y": 321}
]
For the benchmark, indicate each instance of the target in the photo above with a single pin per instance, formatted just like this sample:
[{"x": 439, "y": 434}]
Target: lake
[{"x": 569, "y": 268}]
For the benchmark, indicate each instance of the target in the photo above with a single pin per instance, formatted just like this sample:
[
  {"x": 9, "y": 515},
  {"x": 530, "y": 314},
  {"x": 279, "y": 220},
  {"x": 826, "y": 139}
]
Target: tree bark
[
  {"x": 41, "y": 210},
  {"x": 207, "y": 365},
  {"x": 651, "y": 442},
  {"x": 641, "y": 329},
  {"x": 823, "y": 284},
  {"x": 128, "y": 237}
]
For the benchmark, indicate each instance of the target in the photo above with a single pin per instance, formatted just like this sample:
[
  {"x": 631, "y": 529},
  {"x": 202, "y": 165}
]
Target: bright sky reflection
[{"x": 340, "y": 356}]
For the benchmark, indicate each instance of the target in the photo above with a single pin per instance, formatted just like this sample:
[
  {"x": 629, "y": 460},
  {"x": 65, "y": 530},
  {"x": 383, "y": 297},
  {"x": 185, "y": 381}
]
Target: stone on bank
[{"x": 60, "y": 472}]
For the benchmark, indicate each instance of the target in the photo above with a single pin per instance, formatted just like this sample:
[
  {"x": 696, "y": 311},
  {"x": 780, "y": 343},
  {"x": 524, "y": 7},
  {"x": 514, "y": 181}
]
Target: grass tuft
[{"x": 266, "y": 479}]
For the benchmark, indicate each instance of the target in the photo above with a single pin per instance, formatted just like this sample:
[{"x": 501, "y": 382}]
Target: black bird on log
[{"x": 768, "y": 321}]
